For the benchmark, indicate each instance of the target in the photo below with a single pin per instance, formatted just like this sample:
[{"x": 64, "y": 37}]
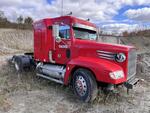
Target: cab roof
[{"x": 71, "y": 19}]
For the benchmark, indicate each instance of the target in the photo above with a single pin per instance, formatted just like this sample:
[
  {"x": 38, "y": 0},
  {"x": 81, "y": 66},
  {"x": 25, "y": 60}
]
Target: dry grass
[
  {"x": 5, "y": 103},
  {"x": 15, "y": 41},
  {"x": 14, "y": 87}
]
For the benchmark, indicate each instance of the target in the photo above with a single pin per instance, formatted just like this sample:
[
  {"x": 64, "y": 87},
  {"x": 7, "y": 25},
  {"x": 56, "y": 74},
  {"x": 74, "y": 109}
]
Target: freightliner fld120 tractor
[{"x": 66, "y": 51}]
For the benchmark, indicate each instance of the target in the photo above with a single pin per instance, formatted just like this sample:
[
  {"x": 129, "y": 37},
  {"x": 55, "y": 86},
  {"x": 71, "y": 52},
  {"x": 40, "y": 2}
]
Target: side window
[{"x": 64, "y": 31}]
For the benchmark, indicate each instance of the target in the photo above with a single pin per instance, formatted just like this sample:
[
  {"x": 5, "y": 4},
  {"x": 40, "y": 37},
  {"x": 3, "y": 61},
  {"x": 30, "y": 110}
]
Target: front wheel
[{"x": 84, "y": 85}]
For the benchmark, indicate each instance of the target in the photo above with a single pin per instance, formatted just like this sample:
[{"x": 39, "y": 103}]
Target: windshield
[{"x": 84, "y": 34}]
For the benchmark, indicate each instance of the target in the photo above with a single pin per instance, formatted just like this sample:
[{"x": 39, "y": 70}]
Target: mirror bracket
[
  {"x": 55, "y": 29},
  {"x": 58, "y": 39}
]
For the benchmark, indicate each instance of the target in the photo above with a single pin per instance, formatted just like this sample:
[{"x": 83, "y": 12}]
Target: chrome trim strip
[
  {"x": 107, "y": 58},
  {"x": 107, "y": 52},
  {"x": 106, "y": 55},
  {"x": 84, "y": 26}
]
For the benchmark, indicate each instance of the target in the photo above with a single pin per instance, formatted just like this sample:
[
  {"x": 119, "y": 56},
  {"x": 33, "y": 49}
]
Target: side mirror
[{"x": 55, "y": 28}]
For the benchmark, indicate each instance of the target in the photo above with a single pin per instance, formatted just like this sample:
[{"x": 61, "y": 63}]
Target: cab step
[
  {"x": 50, "y": 78},
  {"x": 131, "y": 82}
]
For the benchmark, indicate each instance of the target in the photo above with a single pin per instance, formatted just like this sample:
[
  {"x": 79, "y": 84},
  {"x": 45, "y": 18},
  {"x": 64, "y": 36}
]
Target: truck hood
[{"x": 88, "y": 45}]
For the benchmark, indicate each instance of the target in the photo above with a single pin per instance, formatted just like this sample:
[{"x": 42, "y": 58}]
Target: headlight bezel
[{"x": 116, "y": 74}]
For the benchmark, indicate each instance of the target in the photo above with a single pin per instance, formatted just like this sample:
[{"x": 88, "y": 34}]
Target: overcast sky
[{"x": 113, "y": 14}]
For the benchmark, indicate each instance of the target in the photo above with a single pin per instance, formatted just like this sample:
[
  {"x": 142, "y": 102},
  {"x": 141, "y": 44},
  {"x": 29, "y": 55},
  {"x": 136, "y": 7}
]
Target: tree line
[
  {"x": 26, "y": 23},
  {"x": 20, "y": 23},
  {"x": 145, "y": 33}
]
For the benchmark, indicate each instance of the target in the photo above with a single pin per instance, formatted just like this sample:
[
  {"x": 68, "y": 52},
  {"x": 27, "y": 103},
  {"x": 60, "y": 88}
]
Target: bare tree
[
  {"x": 28, "y": 20},
  {"x": 125, "y": 33},
  {"x": 2, "y": 15},
  {"x": 20, "y": 20},
  {"x": 3, "y": 20}
]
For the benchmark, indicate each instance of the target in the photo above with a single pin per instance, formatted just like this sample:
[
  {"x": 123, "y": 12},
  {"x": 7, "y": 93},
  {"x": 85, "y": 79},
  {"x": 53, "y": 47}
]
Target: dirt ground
[{"x": 26, "y": 93}]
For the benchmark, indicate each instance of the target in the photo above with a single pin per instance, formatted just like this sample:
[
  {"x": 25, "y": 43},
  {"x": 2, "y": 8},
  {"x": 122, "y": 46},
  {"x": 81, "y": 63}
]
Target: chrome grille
[{"x": 132, "y": 57}]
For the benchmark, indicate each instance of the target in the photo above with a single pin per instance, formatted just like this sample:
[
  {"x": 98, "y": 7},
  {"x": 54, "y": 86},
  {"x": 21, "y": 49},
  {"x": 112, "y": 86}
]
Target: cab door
[{"x": 62, "y": 52}]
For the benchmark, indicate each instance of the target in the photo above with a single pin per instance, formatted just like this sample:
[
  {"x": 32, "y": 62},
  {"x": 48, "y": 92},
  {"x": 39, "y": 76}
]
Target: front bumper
[{"x": 131, "y": 82}]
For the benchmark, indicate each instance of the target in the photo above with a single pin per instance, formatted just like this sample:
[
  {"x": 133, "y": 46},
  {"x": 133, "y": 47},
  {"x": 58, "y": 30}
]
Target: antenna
[
  {"x": 88, "y": 19},
  {"x": 70, "y": 13},
  {"x": 62, "y": 6}
]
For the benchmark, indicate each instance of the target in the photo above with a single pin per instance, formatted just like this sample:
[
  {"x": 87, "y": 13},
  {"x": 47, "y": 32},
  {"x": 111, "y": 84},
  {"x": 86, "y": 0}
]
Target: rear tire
[{"x": 84, "y": 85}]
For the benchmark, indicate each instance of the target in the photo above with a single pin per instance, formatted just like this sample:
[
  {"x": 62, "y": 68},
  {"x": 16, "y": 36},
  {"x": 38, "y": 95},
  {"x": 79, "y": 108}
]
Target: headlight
[
  {"x": 120, "y": 57},
  {"x": 116, "y": 74}
]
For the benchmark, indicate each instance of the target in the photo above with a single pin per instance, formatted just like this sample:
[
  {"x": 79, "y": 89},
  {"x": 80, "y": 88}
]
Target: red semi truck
[{"x": 66, "y": 51}]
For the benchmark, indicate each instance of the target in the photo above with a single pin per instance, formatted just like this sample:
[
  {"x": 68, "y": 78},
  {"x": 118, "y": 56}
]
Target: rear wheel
[{"x": 84, "y": 85}]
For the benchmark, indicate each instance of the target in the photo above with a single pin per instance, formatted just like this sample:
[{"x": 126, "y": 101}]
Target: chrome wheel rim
[{"x": 80, "y": 85}]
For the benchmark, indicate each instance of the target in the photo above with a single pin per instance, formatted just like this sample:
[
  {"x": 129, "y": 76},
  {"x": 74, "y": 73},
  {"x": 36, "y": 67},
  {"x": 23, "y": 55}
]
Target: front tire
[{"x": 84, "y": 85}]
